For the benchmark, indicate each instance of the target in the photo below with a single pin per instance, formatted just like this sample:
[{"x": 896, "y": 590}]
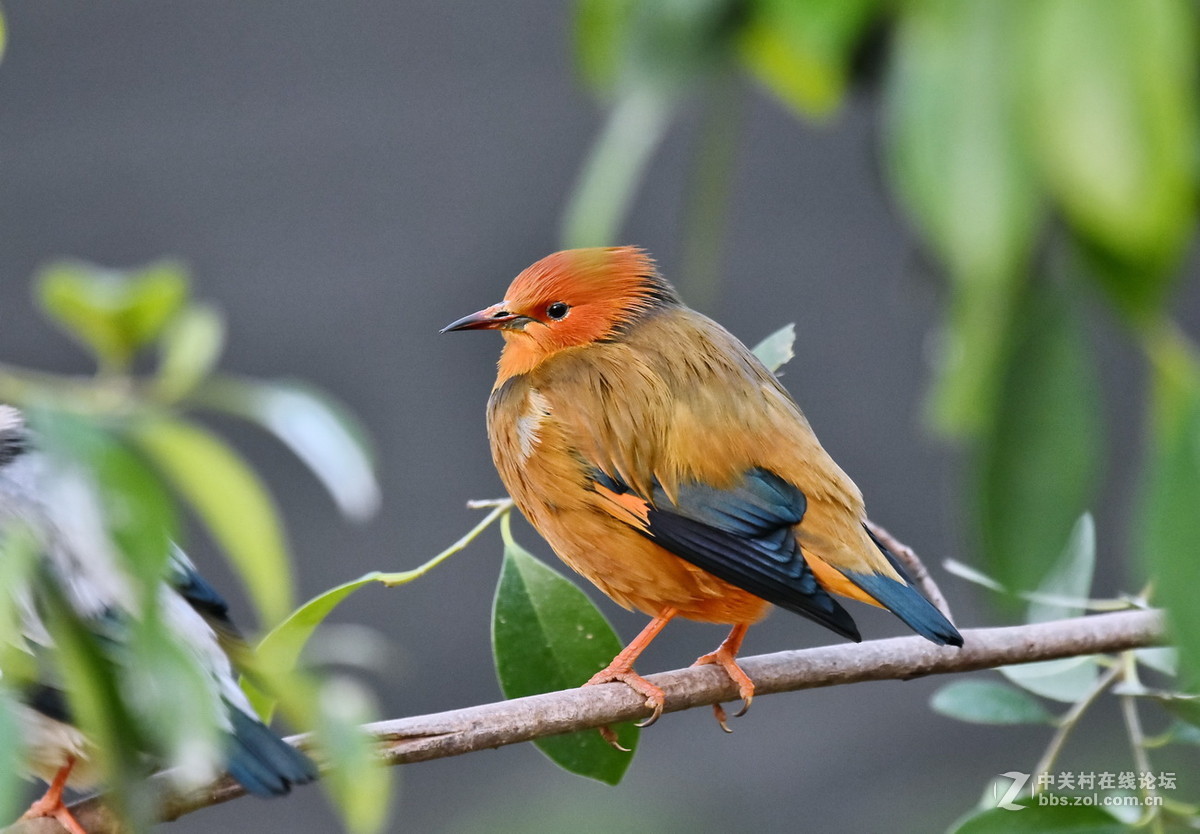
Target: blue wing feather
[{"x": 744, "y": 536}]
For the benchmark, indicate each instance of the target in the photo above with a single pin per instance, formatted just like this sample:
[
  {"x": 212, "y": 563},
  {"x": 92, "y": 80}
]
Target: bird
[
  {"x": 665, "y": 463},
  {"x": 56, "y": 507}
]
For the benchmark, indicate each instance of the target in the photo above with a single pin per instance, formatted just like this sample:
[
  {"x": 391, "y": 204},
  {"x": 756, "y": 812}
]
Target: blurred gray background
[{"x": 346, "y": 178}]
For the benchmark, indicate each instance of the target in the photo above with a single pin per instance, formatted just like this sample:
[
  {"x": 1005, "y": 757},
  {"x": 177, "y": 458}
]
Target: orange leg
[
  {"x": 725, "y": 657},
  {"x": 51, "y": 804},
  {"x": 621, "y": 670}
]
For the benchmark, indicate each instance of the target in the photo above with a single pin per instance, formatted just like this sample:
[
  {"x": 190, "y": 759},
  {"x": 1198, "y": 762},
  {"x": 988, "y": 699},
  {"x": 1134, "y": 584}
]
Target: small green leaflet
[
  {"x": 1069, "y": 678},
  {"x": 547, "y": 635},
  {"x": 776, "y": 350},
  {"x": 233, "y": 503},
  {"x": 989, "y": 702}
]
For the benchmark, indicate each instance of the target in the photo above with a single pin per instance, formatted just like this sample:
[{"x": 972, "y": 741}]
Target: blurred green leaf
[
  {"x": 231, "y": 501},
  {"x": 1186, "y": 709},
  {"x": 1070, "y": 577},
  {"x": 93, "y": 692},
  {"x": 1163, "y": 659},
  {"x": 601, "y": 198},
  {"x": 1043, "y": 819},
  {"x": 802, "y": 49},
  {"x": 191, "y": 346},
  {"x": 3, "y": 47},
  {"x": 315, "y": 427},
  {"x": 775, "y": 351},
  {"x": 177, "y": 702},
  {"x": 12, "y": 752},
  {"x": 280, "y": 650},
  {"x": 1113, "y": 118},
  {"x": 652, "y": 54},
  {"x": 1067, "y": 679},
  {"x": 977, "y": 577},
  {"x": 282, "y": 647},
  {"x": 1039, "y": 463},
  {"x": 357, "y": 779},
  {"x": 958, "y": 163},
  {"x": 601, "y": 34},
  {"x": 1169, "y": 522},
  {"x": 113, "y": 312},
  {"x": 547, "y": 635},
  {"x": 1181, "y": 732},
  {"x": 136, "y": 510},
  {"x": 989, "y": 702}
]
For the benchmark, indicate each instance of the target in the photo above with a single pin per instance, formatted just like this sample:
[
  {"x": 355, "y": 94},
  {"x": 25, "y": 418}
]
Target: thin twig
[
  {"x": 1067, "y": 723},
  {"x": 426, "y": 737},
  {"x": 915, "y": 567}
]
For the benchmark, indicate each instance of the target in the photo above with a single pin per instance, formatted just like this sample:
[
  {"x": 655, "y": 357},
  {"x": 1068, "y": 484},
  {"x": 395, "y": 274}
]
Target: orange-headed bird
[{"x": 661, "y": 460}]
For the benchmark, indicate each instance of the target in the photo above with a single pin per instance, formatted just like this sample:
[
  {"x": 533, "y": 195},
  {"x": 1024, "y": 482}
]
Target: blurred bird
[
  {"x": 75, "y": 558},
  {"x": 661, "y": 460}
]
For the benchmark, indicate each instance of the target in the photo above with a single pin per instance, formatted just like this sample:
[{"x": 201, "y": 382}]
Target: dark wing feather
[{"x": 742, "y": 535}]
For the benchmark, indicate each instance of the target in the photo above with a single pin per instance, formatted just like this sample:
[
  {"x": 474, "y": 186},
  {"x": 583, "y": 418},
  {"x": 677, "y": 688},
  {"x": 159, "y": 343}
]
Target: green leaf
[
  {"x": 989, "y": 702},
  {"x": 547, "y": 635},
  {"x": 319, "y": 430},
  {"x": 1067, "y": 679},
  {"x": 601, "y": 198},
  {"x": 601, "y": 32},
  {"x": 280, "y": 650},
  {"x": 112, "y": 312},
  {"x": 176, "y": 701},
  {"x": 357, "y": 779},
  {"x": 977, "y": 577},
  {"x": 1113, "y": 118},
  {"x": 94, "y": 694},
  {"x": 191, "y": 346},
  {"x": 232, "y": 502},
  {"x": 1169, "y": 525},
  {"x": 958, "y": 162},
  {"x": 1069, "y": 578},
  {"x": 136, "y": 510},
  {"x": 1185, "y": 709},
  {"x": 1033, "y": 818},
  {"x": 12, "y": 745},
  {"x": 802, "y": 50},
  {"x": 3, "y": 47},
  {"x": 1038, "y": 464},
  {"x": 776, "y": 351},
  {"x": 1163, "y": 659}
]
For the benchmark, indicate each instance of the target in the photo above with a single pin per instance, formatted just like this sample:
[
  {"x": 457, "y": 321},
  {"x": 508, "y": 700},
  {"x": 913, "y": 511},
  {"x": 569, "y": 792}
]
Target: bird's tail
[
  {"x": 262, "y": 762},
  {"x": 905, "y": 601}
]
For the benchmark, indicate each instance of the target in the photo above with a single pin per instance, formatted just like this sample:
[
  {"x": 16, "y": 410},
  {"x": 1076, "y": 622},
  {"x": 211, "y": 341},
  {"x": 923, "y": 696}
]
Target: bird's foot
[
  {"x": 51, "y": 804},
  {"x": 54, "y": 807},
  {"x": 725, "y": 658},
  {"x": 654, "y": 695}
]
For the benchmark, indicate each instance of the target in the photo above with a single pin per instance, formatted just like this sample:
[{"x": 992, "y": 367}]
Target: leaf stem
[
  {"x": 500, "y": 509},
  {"x": 1067, "y": 723},
  {"x": 1137, "y": 741}
]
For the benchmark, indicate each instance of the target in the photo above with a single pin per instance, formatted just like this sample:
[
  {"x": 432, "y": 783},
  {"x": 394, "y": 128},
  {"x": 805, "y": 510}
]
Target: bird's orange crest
[{"x": 577, "y": 297}]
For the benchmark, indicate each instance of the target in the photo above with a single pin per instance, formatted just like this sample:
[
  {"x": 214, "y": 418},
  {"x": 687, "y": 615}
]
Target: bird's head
[{"x": 570, "y": 299}]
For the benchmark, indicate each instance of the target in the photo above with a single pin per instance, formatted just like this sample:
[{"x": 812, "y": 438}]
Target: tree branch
[{"x": 453, "y": 733}]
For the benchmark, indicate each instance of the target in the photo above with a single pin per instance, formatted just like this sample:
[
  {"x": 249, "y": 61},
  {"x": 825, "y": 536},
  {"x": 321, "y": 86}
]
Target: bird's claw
[
  {"x": 654, "y": 695},
  {"x": 745, "y": 686}
]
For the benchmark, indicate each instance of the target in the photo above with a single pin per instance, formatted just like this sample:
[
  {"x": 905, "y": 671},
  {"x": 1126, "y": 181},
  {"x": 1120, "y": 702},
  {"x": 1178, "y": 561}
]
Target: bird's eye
[{"x": 558, "y": 310}]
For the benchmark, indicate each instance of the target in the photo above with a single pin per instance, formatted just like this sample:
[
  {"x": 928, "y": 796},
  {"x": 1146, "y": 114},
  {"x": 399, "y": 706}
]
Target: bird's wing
[{"x": 742, "y": 534}]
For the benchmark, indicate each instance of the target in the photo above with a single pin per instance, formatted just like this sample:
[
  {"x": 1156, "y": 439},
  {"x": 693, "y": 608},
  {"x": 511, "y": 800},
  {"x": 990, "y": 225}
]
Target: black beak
[{"x": 493, "y": 318}]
